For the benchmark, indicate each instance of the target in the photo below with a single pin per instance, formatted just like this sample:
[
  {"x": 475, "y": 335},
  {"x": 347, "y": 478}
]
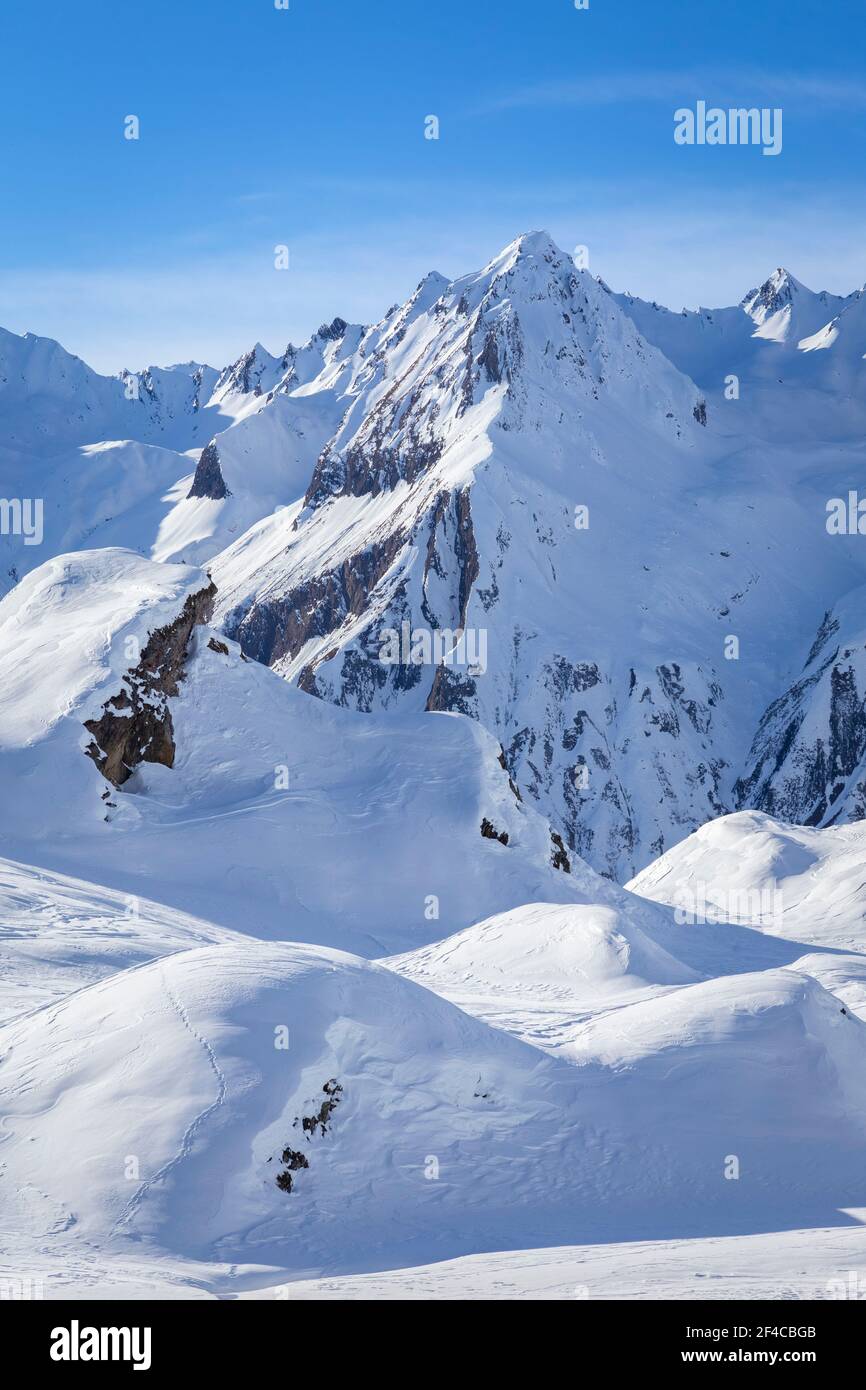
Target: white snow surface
[
  {"x": 623, "y": 1136},
  {"x": 282, "y": 816},
  {"x": 807, "y": 885}
]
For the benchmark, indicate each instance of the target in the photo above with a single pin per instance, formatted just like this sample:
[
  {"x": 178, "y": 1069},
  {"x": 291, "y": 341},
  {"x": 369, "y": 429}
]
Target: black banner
[{"x": 227, "y": 1337}]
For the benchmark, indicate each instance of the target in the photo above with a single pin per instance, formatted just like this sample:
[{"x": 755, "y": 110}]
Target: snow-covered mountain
[
  {"x": 133, "y": 460},
  {"x": 514, "y": 460},
  {"x": 787, "y": 363},
  {"x": 51, "y": 400},
  {"x": 635, "y": 550}
]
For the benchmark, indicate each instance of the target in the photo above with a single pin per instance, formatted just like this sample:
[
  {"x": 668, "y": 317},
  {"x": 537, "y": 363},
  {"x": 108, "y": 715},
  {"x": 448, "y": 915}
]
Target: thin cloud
[
  {"x": 822, "y": 90},
  {"x": 213, "y": 308}
]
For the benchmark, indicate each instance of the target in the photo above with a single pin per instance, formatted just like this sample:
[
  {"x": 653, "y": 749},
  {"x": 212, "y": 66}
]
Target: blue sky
[{"x": 305, "y": 127}]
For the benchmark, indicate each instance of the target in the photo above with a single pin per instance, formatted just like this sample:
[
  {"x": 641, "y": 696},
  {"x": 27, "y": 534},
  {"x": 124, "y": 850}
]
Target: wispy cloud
[
  {"x": 744, "y": 86},
  {"x": 685, "y": 248}
]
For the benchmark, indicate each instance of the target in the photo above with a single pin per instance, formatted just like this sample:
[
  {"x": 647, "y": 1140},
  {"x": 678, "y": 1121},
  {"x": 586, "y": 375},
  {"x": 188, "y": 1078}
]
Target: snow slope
[
  {"x": 277, "y": 806},
  {"x": 542, "y": 970},
  {"x": 447, "y": 1137},
  {"x": 810, "y": 1264},
  {"x": 59, "y": 934},
  {"x": 260, "y": 465},
  {"x": 208, "y": 1106},
  {"x": 115, "y": 493}
]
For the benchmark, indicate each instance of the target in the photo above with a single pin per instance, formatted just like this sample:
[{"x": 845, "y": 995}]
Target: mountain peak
[
  {"x": 778, "y": 289},
  {"x": 527, "y": 250},
  {"x": 527, "y": 247},
  {"x": 332, "y": 332},
  {"x": 538, "y": 243}
]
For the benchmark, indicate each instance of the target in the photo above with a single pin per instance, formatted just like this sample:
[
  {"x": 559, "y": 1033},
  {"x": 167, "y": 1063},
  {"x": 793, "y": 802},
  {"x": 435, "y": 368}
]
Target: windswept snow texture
[
  {"x": 316, "y": 977},
  {"x": 541, "y": 971}
]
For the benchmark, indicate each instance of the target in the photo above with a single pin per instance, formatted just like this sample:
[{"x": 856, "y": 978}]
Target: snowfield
[
  {"x": 277, "y": 806},
  {"x": 407, "y": 1127},
  {"x": 58, "y": 934},
  {"x": 318, "y": 977}
]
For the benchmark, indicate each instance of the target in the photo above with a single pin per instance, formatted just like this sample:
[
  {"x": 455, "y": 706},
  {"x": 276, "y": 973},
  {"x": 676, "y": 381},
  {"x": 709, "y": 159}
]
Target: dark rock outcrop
[
  {"x": 135, "y": 725},
  {"x": 208, "y": 480},
  {"x": 332, "y": 332},
  {"x": 489, "y": 831},
  {"x": 293, "y": 1159},
  {"x": 321, "y": 1118},
  {"x": 559, "y": 858}
]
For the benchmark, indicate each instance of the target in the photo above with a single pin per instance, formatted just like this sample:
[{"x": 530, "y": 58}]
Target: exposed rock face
[
  {"x": 372, "y": 465},
  {"x": 489, "y": 832},
  {"x": 332, "y": 332},
  {"x": 208, "y": 480},
  {"x": 272, "y": 630},
  {"x": 807, "y": 762},
  {"x": 135, "y": 725},
  {"x": 294, "y": 1160},
  {"x": 276, "y": 630},
  {"x": 559, "y": 859},
  {"x": 576, "y": 760}
]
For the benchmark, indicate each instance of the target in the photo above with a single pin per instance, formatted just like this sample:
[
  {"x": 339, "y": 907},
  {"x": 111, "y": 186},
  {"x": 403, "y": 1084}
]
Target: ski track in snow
[{"x": 193, "y": 1128}]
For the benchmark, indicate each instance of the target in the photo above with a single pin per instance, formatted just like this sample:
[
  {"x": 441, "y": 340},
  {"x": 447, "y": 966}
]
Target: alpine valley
[{"x": 401, "y": 737}]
